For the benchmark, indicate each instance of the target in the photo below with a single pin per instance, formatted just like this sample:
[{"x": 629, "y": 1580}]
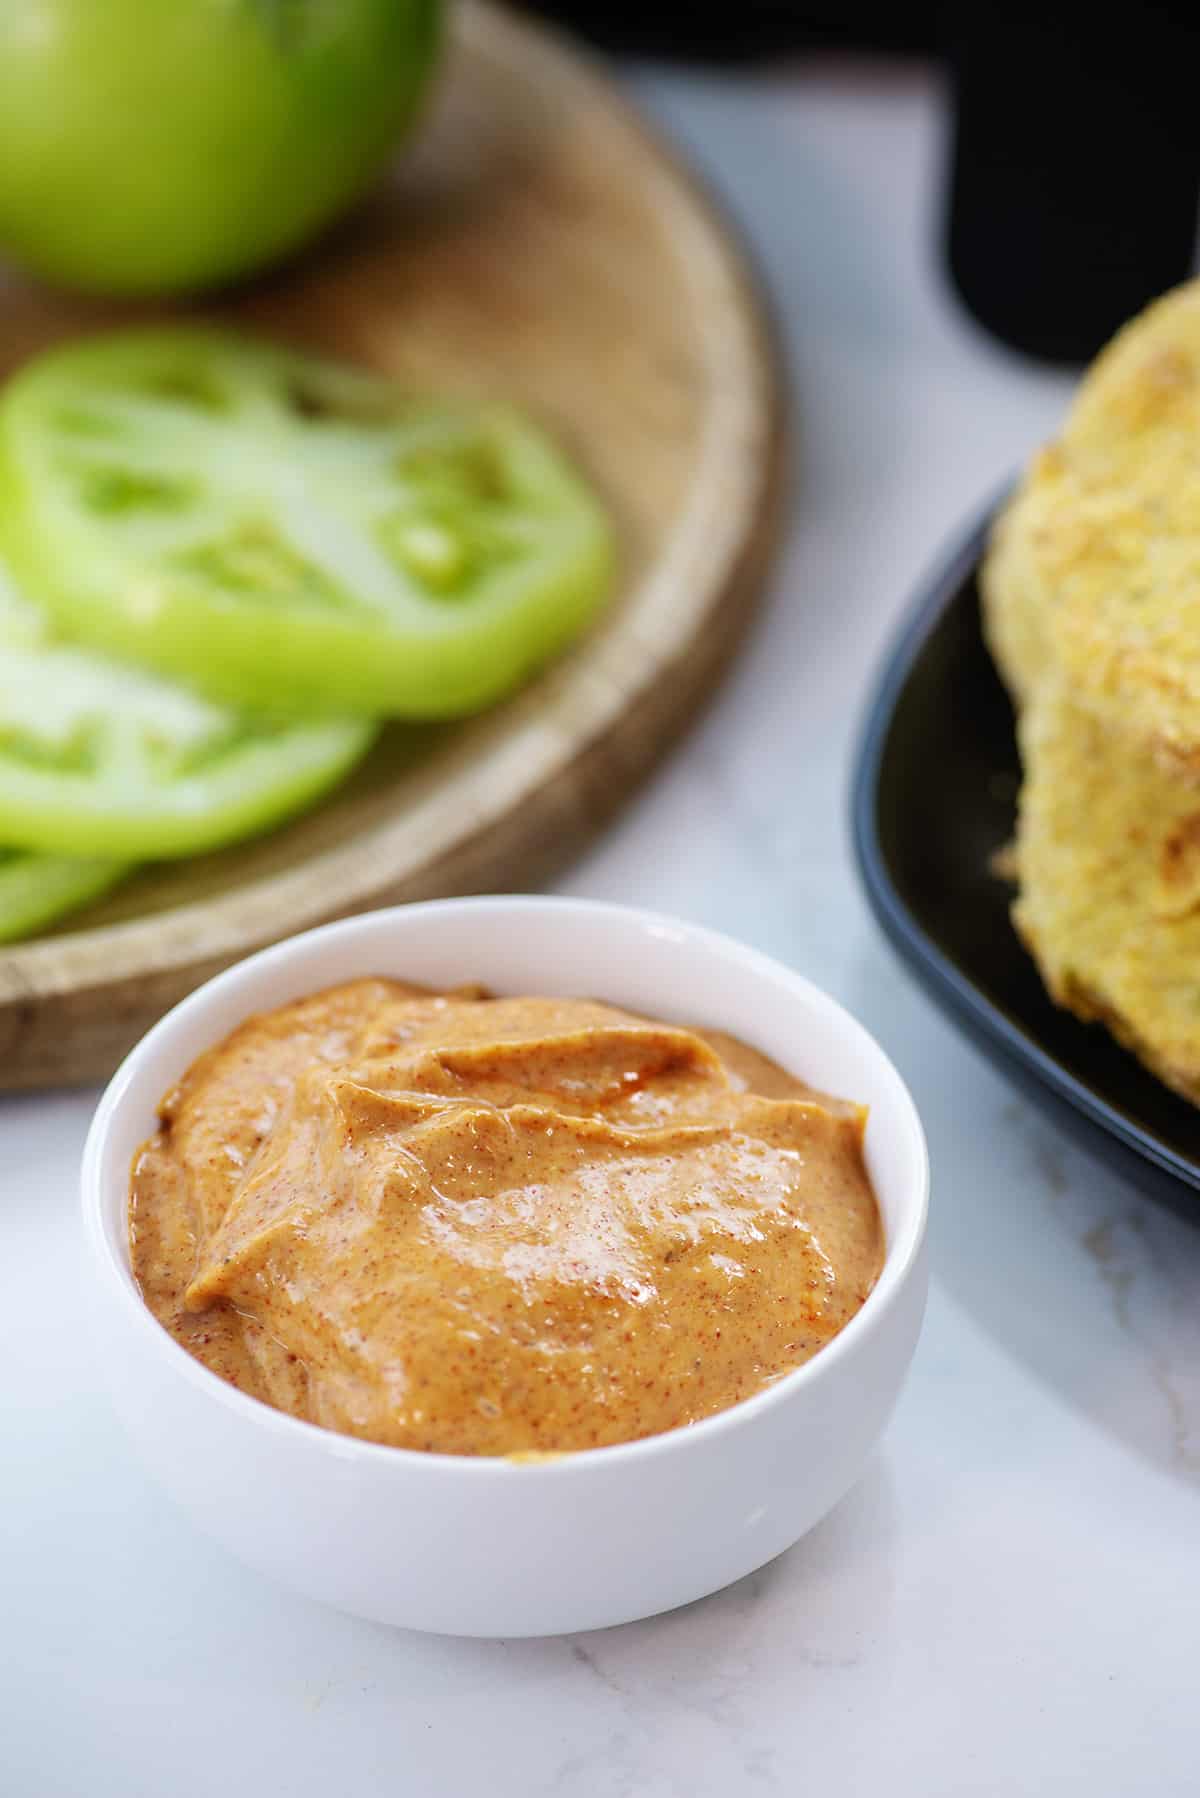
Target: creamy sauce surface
[{"x": 491, "y": 1226}]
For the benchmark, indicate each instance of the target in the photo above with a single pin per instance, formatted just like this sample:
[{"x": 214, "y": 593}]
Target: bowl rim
[{"x": 902, "y": 1253}]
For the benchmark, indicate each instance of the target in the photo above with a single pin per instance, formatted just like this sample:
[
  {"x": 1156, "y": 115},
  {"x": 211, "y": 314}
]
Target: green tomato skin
[
  {"x": 156, "y": 146},
  {"x": 37, "y": 889}
]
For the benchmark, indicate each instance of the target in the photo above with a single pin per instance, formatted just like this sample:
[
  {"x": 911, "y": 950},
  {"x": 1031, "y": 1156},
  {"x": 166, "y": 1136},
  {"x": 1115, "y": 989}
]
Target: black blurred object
[
  {"x": 1075, "y": 168},
  {"x": 1075, "y": 159},
  {"x": 745, "y": 30}
]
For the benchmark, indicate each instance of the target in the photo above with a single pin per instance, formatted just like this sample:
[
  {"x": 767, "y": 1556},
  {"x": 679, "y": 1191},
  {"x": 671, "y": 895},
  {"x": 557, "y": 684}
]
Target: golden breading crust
[
  {"x": 1016, "y": 608},
  {"x": 1108, "y": 853},
  {"x": 1095, "y": 568}
]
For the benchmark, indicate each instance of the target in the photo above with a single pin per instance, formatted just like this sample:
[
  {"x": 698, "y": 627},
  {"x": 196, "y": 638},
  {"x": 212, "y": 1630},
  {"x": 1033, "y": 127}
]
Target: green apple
[{"x": 157, "y": 146}]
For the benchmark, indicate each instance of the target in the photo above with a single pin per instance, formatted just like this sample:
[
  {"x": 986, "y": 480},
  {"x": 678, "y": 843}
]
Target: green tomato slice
[
  {"x": 289, "y": 533},
  {"x": 35, "y": 889},
  {"x": 101, "y": 760}
]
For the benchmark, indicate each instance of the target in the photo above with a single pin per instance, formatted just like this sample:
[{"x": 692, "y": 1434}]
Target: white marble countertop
[{"x": 1010, "y": 1601}]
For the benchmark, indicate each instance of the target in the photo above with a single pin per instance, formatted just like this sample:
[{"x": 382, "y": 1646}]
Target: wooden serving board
[{"x": 539, "y": 244}]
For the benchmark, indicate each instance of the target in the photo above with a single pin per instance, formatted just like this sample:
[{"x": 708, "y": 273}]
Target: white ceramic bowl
[{"x": 489, "y": 1547}]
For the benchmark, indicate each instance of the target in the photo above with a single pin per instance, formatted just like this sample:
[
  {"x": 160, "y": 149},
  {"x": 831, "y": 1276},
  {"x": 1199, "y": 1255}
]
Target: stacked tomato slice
[{"x": 243, "y": 557}]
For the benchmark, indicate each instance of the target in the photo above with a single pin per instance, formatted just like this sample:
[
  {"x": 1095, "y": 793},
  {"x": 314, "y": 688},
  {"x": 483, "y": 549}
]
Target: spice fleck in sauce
[{"x": 498, "y": 1226}]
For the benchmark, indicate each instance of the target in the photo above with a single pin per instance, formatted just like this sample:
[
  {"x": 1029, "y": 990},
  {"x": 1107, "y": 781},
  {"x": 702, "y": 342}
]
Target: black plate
[{"x": 934, "y": 792}]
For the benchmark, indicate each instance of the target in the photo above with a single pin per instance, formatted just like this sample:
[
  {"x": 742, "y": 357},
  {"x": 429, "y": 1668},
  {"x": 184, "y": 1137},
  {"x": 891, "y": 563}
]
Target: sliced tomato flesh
[
  {"x": 102, "y": 760},
  {"x": 36, "y": 889},
  {"x": 290, "y": 533}
]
